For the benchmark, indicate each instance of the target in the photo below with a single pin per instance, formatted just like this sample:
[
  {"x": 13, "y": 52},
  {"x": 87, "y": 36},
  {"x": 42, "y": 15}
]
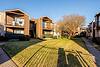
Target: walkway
[
  {"x": 5, "y": 61},
  {"x": 93, "y": 51}
]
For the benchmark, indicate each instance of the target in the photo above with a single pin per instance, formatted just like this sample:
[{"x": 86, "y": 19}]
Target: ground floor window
[
  {"x": 19, "y": 31},
  {"x": 48, "y": 32}
]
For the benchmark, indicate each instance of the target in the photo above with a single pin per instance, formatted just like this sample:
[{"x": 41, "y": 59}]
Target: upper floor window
[
  {"x": 18, "y": 21},
  {"x": 44, "y": 24},
  {"x": 99, "y": 20}
]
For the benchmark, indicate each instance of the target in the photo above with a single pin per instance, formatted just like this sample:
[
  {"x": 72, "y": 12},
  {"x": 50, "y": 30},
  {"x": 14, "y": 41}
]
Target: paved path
[
  {"x": 2, "y": 43},
  {"x": 93, "y": 51},
  {"x": 5, "y": 61}
]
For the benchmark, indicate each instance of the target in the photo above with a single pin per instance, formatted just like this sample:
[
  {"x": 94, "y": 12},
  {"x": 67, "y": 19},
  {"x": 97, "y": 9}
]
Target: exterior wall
[
  {"x": 2, "y": 19},
  {"x": 2, "y": 23},
  {"x": 97, "y": 33},
  {"x": 7, "y": 20},
  {"x": 56, "y": 32},
  {"x": 11, "y": 18},
  {"x": 39, "y": 32},
  {"x": 97, "y": 28},
  {"x": 9, "y": 30},
  {"x": 27, "y": 25},
  {"x": 42, "y": 30},
  {"x": 2, "y": 33}
]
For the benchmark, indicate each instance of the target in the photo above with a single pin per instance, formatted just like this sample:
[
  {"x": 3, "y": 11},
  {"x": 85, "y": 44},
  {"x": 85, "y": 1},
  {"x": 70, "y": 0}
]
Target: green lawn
[{"x": 49, "y": 53}]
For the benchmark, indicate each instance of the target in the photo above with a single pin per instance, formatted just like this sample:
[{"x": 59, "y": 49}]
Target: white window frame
[
  {"x": 19, "y": 31},
  {"x": 17, "y": 20}
]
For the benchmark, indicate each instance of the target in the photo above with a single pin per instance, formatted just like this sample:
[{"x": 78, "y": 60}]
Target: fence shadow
[
  {"x": 67, "y": 60},
  {"x": 73, "y": 61}
]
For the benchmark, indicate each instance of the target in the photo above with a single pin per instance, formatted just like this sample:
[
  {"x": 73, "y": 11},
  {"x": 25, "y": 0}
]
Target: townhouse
[
  {"x": 97, "y": 28},
  {"x": 15, "y": 23},
  {"x": 90, "y": 30},
  {"x": 93, "y": 30},
  {"x": 42, "y": 27}
]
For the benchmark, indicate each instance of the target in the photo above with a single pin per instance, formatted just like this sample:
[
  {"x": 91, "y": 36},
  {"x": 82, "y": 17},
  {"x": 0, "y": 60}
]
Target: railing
[{"x": 13, "y": 24}]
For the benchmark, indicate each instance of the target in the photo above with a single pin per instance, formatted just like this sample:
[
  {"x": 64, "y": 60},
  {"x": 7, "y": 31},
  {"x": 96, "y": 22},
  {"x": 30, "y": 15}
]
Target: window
[
  {"x": 44, "y": 24},
  {"x": 99, "y": 21},
  {"x": 19, "y": 21},
  {"x": 18, "y": 31}
]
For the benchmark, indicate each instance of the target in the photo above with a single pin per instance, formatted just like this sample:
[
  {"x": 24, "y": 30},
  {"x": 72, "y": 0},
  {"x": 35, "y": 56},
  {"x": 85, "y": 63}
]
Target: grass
[{"x": 50, "y": 53}]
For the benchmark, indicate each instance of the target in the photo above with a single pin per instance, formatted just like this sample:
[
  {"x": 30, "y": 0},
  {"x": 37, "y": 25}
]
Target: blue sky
[{"x": 55, "y": 9}]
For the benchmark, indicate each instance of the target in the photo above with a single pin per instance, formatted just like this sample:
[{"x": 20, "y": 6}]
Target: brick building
[{"x": 16, "y": 23}]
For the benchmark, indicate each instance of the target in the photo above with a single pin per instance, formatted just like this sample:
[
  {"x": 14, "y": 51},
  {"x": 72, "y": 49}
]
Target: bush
[
  {"x": 2, "y": 38},
  {"x": 54, "y": 37},
  {"x": 25, "y": 37},
  {"x": 18, "y": 36},
  {"x": 48, "y": 36}
]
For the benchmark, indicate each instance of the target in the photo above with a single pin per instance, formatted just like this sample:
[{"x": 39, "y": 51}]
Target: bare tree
[{"x": 70, "y": 24}]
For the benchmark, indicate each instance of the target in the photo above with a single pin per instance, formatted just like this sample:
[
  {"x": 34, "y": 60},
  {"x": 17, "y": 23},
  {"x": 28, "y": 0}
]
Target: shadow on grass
[
  {"x": 13, "y": 47},
  {"x": 80, "y": 42},
  {"x": 73, "y": 61},
  {"x": 67, "y": 60},
  {"x": 61, "y": 58}
]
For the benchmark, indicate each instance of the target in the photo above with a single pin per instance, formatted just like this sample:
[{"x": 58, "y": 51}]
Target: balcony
[
  {"x": 14, "y": 25},
  {"x": 47, "y": 26},
  {"x": 17, "y": 23}
]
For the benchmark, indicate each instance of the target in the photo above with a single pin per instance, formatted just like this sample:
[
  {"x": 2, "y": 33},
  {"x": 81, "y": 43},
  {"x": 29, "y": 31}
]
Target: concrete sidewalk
[
  {"x": 93, "y": 51},
  {"x": 5, "y": 61}
]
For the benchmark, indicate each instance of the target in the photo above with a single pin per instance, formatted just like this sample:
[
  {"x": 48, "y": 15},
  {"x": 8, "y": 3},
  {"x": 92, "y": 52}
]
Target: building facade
[
  {"x": 93, "y": 30},
  {"x": 42, "y": 27},
  {"x": 32, "y": 28},
  {"x": 97, "y": 27},
  {"x": 15, "y": 22}
]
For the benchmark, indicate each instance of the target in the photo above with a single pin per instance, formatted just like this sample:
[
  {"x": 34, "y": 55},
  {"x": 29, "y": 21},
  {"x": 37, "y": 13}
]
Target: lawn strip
[
  {"x": 43, "y": 54},
  {"x": 42, "y": 61},
  {"x": 82, "y": 61},
  {"x": 33, "y": 61},
  {"x": 33, "y": 55}
]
